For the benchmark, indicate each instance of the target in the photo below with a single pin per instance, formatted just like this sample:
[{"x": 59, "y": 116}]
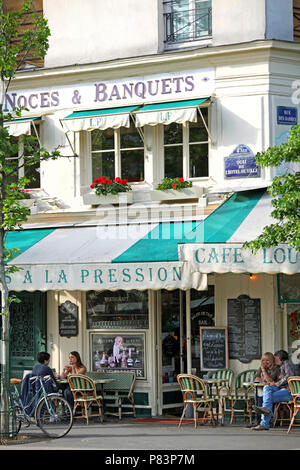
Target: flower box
[
  {"x": 168, "y": 194},
  {"x": 26, "y": 202},
  {"x": 120, "y": 198}
]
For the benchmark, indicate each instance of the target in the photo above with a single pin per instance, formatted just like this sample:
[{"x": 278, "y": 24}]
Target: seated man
[
  {"x": 277, "y": 391},
  {"x": 29, "y": 388},
  {"x": 42, "y": 369}
]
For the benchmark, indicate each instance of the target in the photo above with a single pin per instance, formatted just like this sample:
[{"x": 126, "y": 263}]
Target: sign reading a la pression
[{"x": 111, "y": 93}]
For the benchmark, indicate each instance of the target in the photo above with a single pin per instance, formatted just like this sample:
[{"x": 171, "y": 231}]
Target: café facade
[{"x": 149, "y": 269}]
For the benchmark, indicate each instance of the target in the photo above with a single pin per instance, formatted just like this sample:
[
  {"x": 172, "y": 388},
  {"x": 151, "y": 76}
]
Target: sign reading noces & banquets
[{"x": 173, "y": 86}]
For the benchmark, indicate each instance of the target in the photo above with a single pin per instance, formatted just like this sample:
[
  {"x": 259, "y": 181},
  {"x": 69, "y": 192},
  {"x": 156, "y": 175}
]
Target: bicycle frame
[{"x": 27, "y": 416}]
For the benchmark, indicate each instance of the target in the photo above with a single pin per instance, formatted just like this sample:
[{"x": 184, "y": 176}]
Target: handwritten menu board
[
  {"x": 244, "y": 328},
  {"x": 213, "y": 347}
]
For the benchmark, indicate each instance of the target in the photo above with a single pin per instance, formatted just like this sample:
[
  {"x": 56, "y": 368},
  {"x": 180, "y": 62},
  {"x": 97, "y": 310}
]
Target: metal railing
[{"x": 182, "y": 24}]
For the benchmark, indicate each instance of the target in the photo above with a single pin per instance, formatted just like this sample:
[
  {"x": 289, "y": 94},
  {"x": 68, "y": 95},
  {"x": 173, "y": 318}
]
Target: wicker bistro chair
[
  {"x": 222, "y": 392},
  {"x": 293, "y": 405},
  {"x": 85, "y": 394},
  {"x": 243, "y": 395},
  {"x": 294, "y": 385},
  {"x": 195, "y": 393},
  {"x": 119, "y": 393}
]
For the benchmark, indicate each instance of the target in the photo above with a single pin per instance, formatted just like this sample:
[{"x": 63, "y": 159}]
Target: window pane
[
  {"x": 132, "y": 165},
  {"x": 170, "y": 330},
  {"x": 187, "y": 19},
  {"x": 103, "y": 140},
  {"x": 13, "y": 164},
  {"x": 173, "y": 162},
  {"x": 198, "y": 160},
  {"x": 118, "y": 309},
  {"x": 202, "y": 314},
  {"x": 130, "y": 137},
  {"x": 103, "y": 164},
  {"x": 173, "y": 133},
  {"x": 203, "y": 18},
  {"x": 181, "y": 20},
  {"x": 32, "y": 172},
  {"x": 197, "y": 130}
]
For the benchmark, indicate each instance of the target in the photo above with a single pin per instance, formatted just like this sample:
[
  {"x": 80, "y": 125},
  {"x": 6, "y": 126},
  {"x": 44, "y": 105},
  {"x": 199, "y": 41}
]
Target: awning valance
[
  {"x": 98, "y": 119},
  {"x": 166, "y": 113},
  {"x": 216, "y": 243},
  {"x": 19, "y": 127},
  {"x": 143, "y": 256}
]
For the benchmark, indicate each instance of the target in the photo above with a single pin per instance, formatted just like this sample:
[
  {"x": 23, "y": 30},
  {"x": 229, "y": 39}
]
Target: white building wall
[
  {"x": 263, "y": 287},
  {"x": 237, "y": 21},
  {"x": 92, "y": 30}
]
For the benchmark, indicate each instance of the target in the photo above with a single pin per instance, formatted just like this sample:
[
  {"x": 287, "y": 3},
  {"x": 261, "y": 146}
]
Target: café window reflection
[
  {"x": 172, "y": 334},
  {"x": 117, "y": 309},
  {"x": 202, "y": 314}
]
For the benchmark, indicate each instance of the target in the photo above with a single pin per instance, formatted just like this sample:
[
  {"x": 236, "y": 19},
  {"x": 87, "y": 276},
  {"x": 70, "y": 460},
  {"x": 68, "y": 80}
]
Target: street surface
[{"x": 113, "y": 436}]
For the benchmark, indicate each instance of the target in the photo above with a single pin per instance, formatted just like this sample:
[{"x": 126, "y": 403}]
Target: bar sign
[{"x": 287, "y": 115}]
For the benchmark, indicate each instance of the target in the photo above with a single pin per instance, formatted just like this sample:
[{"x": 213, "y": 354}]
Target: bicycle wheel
[{"x": 54, "y": 416}]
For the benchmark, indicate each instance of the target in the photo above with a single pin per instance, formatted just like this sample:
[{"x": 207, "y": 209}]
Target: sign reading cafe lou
[
  {"x": 110, "y": 93},
  {"x": 231, "y": 257}
]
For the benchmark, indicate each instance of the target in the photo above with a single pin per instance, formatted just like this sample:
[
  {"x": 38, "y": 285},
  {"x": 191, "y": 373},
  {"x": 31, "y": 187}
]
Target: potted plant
[
  {"x": 109, "y": 191},
  {"x": 175, "y": 188},
  {"x": 21, "y": 195}
]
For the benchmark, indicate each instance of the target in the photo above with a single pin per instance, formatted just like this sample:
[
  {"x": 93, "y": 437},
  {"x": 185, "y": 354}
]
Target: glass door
[{"x": 172, "y": 339}]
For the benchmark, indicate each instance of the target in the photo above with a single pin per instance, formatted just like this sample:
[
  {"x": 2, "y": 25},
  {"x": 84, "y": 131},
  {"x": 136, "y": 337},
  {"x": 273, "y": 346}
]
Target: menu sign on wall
[
  {"x": 213, "y": 347},
  {"x": 68, "y": 319},
  {"x": 244, "y": 328}
]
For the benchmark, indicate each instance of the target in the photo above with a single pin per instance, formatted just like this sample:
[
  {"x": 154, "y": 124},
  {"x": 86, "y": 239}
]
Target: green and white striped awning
[
  {"x": 98, "y": 119},
  {"x": 215, "y": 245},
  {"x": 166, "y": 113},
  {"x": 19, "y": 127}
]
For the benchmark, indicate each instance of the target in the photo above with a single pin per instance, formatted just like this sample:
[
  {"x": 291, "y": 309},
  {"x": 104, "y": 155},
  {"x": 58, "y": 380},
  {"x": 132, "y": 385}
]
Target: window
[
  {"x": 187, "y": 20},
  {"x": 186, "y": 149},
  {"x": 118, "y": 152},
  {"x": 32, "y": 172},
  {"x": 28, "y": 23}
]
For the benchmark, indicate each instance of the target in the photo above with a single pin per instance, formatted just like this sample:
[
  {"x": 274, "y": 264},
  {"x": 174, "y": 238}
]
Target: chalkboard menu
[
  {"x": 213, "y": 347},
  {"x": 244, "y": 328},
  {"x": 68, "y": 319}
]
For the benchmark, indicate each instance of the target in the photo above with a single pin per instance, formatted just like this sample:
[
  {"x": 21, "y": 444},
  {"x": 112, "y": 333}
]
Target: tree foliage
[
  {"x": 285, "y": 191},
  {"x": 18, "y": 42}
]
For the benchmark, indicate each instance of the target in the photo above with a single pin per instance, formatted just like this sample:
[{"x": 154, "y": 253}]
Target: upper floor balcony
[{"x": 187, "y": 21}]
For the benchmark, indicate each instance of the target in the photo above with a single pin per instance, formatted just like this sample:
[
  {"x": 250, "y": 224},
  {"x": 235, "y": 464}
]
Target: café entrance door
[
  {"x": 180, "y": 316},
  {"x": 27, "y": 331}
]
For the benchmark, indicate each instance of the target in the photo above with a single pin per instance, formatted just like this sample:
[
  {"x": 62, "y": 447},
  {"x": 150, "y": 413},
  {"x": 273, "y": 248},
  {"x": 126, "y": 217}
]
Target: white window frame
[
  {"x": 117, "y": 151},
  {"x": 185, "y": 149},
  {"x": 191, "y": 8},
  {"x": 20, "y": 157}
]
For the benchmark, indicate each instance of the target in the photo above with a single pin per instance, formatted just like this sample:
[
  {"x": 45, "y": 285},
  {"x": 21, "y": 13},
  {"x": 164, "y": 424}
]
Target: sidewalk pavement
[{"x": 115, "y": 437}]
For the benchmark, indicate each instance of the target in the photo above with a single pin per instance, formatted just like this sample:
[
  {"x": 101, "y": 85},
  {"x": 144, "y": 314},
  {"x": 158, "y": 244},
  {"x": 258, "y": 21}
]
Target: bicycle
[{"x": 50, "y": 411}]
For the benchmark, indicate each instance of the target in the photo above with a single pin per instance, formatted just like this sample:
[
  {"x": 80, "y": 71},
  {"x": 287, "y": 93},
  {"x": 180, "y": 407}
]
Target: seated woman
[
  {"x": 268, "y": 372},
  {"x": 75, "y": 366},
  {"x": 276, "y": 391}
]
